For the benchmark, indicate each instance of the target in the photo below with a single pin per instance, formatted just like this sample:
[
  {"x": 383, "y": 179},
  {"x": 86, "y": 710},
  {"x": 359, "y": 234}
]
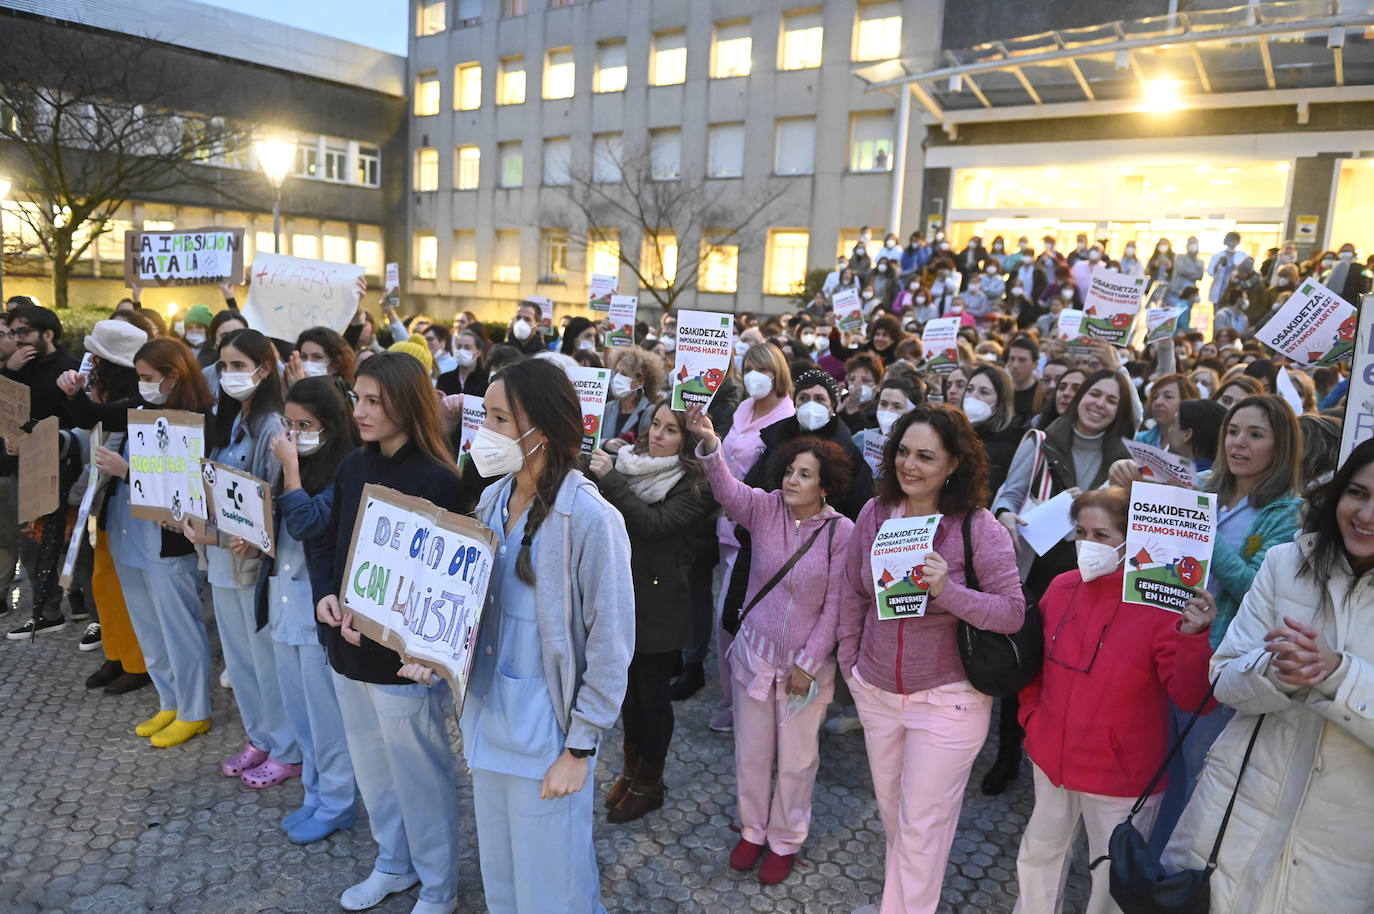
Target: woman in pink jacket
[
  {"x": 781, "y": 659},
  {"x": 924, "y": 724}
]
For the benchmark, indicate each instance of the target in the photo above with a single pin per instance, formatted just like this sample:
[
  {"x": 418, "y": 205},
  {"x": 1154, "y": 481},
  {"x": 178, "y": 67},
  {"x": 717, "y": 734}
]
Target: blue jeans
[
  {"x": 308, "y": 692},
  {"x": 252, "y": 666},
  {"x": 165, "y": 609}
]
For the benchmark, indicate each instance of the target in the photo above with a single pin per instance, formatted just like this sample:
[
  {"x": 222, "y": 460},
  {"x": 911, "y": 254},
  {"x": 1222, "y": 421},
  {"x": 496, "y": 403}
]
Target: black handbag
[
  {"x": 996, "y": 663},
  {"x": 731, "y": 621},
  {"x": 1138, "y": 882}
]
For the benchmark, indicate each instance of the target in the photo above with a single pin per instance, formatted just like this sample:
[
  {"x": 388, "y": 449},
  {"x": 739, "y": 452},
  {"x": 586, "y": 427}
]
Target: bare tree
[
  {"x": 90, "y": 122},
  {"x": 702, "y": 217}
]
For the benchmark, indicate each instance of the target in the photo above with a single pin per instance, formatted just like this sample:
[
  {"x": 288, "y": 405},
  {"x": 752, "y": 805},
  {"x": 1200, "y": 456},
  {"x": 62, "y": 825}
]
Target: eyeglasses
[{"x": 1050, "y": 654}]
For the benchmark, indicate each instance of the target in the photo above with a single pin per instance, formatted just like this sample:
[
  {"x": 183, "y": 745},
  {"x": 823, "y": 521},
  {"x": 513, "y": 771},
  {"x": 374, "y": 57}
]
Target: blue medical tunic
[
  {"x": 509, "y": 725},
  {"x": 236, "y": 454}
]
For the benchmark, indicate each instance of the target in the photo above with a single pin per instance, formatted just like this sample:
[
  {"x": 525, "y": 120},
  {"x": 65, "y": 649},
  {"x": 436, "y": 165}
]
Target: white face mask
[
  {"x": 493, "y": 454},
  {"x": 757, "y": 384},
  {"x": 868, "y": 294},
  {"x": 808, "y": 340},
  {"x": 1130, "y": 250},
  {"x": 1066, "y": 294},
  {"x": 179, "y": 328},
  {"x": 195, "y": 337},
  {"x": 976, "y": 410},
  {"x": 886, "y": 419},
  {"x": 741, "y": 347},
  {"x": 308, "y": 442},
  {"x": 622, "y": 387},
  {"x": 1096, "y": 559},
  {"x": 822, "y": 344},
  {"x": 315, "y": 369},
  {"x": 521, "y": 329},
  {"x": 238, "y": 384},
  {"x": 151, "y": 392},
  {"x": 1192, "y": 248},
  {"x": 1346, "y": 255},
  {"x": 587, "y": 345},
  {"x": 866, "y": 393},
  {"x": 465, "y": 358},
  {"x": 812, "y": 415}
]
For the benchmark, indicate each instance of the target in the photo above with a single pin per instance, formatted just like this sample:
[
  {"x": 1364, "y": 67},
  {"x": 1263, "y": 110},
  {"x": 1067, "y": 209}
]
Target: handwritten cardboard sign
[
  {"x": 39, "y": 490},
  {"x": 417, "y": 580},
  {"x": 14, "y": 407},
  {"x": 239, "y": 504},
  {"x": 165, "y": 450},
  {"x": 289, "y": 294},
  {"x": 186, "y": 257}
]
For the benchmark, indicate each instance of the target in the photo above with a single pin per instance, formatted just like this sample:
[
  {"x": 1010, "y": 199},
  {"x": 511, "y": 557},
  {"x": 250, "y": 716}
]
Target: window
[
  {"x": 336, "y": 249},
  {"x": 557, "y": 160},
  {"x": 665, "y": 154},
  {"x": 801, "y": 41},
  {"x": 368, "y": 255},
  {"x": 719, "y": 265},
  {"x": 308, "y": 160},
  {"x": 610, "y": 67},
  {"x": 369, "y": 166},
  {"x": 512, "y": 165},
  {"x": 731, "y": 50},
  {"x": 725, "y": 151},
  {"x": 607, "y": 156},
  {"x": 469, "y": 13},
  {"x": 559, "y": 74},
  {"x": 426, "y": 169},
  {"x": 427, "y": 93},
  {"x": 335, "y": 161},
  {"x": 870, "y": 142},
  {"x": 507, "y": 257},
  {"x": 554, "y": 4},
  {"x": 426, "y": 264},
  {"x": 659, "y": 258},
  {"x": 603, "y": 253},
  {"x": 110, "y": 245},
  {"x": 468, "y": 167},
  {"x": 795, "y": 152},
  {"x": 879, "y": 35},
  {"x": 429, "y": 17},
  {"x": 668, "y": 60},
  {"x": 785, "y": 269},
  {"x": 265, "y": 242},
  {"x": 464, "y": 266},
  {"x": 514, "y": 7},
  {"x": 467, "y": 87},
  {"x": 307, "y": 246},
  {"x": 554, "y": 244},
  {"x": 510, "y": 82}
]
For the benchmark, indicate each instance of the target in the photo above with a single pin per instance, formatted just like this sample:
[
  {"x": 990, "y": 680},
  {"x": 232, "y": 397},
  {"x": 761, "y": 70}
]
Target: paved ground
[{"x": 94, "y": 819}]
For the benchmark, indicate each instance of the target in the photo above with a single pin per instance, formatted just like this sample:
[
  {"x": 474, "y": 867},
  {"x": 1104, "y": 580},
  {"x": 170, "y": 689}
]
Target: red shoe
[
  {"x": 250, "y": 757},
  {"x": 745, "y": 855},
  {"x": 776, "y": 867}
]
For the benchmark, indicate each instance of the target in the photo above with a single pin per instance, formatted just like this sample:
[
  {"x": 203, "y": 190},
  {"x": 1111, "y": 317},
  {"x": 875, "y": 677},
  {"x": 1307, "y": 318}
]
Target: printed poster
[
  {"x": 1168, "y": 544},
  {"x": 1111, "y": 305},
  {"x": 474, "y": 414},
  {"x": 288, "y": 294},
  {"x": 1314, "y": 327},
  {"x": 940, "y": 342},
  {"x": 704, "y": 349},
  {"x": 240, "y": 505},
  {"x": 391, "y": 289},
  {"x": 623, "y": 311},
  {"x": 897, "y": 561},
  {"x": 39, "y": 486},
  {"x": 165, "y": 450},
  {"x": 1070, "y": 324},
  {"x": 874, "y": 442},
  {"x": 592, "y": 385},
  {"x": 1158, "y": 465},
  {"x": 417, "y": 580},
  {"x": 187, "y": 257},
  {"x": 1359, "y": 399},
  {"x": 545, "y": 314},
  {"x": 600, "y": 289},
  {"x": 1161, "y": 324},
  {"x": 849, "y": 313}
]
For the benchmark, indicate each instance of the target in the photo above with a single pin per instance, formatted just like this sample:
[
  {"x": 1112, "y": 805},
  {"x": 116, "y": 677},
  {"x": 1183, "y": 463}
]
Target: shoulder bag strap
[
  {"x": 1225, "y": 820},
  {"x": 1173, "y": 751},
  {"x": 782, "y": 572},
  {"x": 970, "y": 576}
]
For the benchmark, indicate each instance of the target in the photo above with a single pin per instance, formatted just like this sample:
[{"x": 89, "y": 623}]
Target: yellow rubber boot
[
  {"x": 178, "y": 732},
  {"x": 158, "y": 721}
]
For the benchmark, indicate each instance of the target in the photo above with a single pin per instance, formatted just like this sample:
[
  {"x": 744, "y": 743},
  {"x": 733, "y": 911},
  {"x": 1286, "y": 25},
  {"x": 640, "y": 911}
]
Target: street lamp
[
  {"x": 4, "y": 192},
  {"x": 276, "y": 154}
]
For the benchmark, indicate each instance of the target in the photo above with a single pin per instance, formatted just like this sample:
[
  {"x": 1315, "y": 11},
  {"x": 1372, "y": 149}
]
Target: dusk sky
[{"x": 375, "y": 23}]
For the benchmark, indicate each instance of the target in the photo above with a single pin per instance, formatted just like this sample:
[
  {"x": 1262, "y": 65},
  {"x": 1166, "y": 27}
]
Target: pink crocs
[
  {"x": 250, "y": 757},
  {"x": 269, "y": 774}
]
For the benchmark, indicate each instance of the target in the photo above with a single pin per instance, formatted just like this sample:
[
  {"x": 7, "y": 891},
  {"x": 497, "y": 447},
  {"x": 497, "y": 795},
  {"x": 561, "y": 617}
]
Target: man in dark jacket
[{"x": 525, "y": 331}]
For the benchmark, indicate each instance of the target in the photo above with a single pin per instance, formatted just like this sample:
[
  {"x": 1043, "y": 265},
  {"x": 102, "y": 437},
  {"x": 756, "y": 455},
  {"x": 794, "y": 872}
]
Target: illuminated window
[
  {"x": 336, "y": 249},
  {"x": 659, "y": 258},
  {"x": 665, "y": 154},
  {"x": 559, "y": 74},
  {"x": 668, "y": 61},
  {"x": 795, "y": 149},
  {"x": 429, "y": 16},
  {"x": 468, "y": 169},
  {"x": 611, "y": 70},
  {"x": 731, "y": 50},
  {"x": 870, "y": 142},
  {"x": 510, "y": 82},
  {"x": 879, "y": 35},
  {"x": 801, "y": 41},
  {"x": 368, "y": 255},
  {"x": 512, "y": 165},
  {"x": 557, "y": 160},
  {"x": 607, "y": 156},
  {"x": 467, "y": 83},
  {"x": 555, "y": 253},
  {"x": 506, "y": 259},
  {"x": 464, "y": 266},
  {"x": 785, "y": 267},
  {"x": 110, "y": 245},
  {"x": 426, "y": 169},
  {"x": 265, "y": 242},
  {"x": 725, "y": 150},
  {"x": 603, "y": 254},
  {"x": 719, "y": 265},
  {"x": 307, "y": 246},
  {"x": 427, "y": 93},
  {"x": 426, "y": 264}
]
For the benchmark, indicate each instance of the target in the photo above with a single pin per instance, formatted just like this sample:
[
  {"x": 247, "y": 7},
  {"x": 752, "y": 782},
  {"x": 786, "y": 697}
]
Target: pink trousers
[
  {"x": 921, "y": 748},
  {"x": 779, "y": 816}
]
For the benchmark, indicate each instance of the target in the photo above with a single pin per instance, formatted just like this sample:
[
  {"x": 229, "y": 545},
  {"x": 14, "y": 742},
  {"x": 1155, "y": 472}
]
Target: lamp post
[
  {"x": 276, "y": 154},
  {"x": 4, "y": 192}
]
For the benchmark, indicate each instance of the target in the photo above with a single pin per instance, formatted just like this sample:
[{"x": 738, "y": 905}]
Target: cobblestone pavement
[{"x": 92, "y": 818}]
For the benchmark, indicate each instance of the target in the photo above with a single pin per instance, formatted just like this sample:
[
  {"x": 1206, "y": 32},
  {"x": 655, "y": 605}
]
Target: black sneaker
[
  {"x": 91, "y": 640},
  {"x": 23, "y": 632}
]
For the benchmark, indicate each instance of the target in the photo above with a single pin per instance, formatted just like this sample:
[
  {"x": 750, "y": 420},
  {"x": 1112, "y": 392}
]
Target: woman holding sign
[
  {"x": 924, "y": 724},
  {"x": 395, "y": 728}
]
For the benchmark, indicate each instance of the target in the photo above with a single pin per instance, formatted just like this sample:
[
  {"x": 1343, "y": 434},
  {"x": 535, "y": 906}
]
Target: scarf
[{"x": 650, "y": 478}]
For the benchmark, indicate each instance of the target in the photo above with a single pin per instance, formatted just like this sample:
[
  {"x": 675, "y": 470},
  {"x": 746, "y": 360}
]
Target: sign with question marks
[{"x": 165, "y": 449}]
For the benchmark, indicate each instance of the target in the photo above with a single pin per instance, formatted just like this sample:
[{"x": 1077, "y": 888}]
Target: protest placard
[
  {"x": 591, "y": 385},
  {"x": 391, "y": 288},
  {"x": 940, "y": 342},
  {"x": 416, "y": 581},
  {"x": 622, "y": 314},
  {"x": 1158, "y": 465},
  {"x": 1161, "y": 324},
  {"x": 874, "y": 442},
  {"x": 1359, "y": 398},
  {"x": 1168, "y": 544},
  {"x": 1202, "y": 319},
  {"x": 240, "y": 505},
  {"x": 186, "y": 257},
  {"x": 165, "y": 450},
  {"x": 702, "y": 357},
  {"x": 545, "y": 306},
  {"x": 474, "y": 414},
  {"x": 288, "y": 294},
  {"x": 1048, "y": 523},
  {"x": 897, "y": 560},
  {"x": 849, "y": 312},
  {"x": 1314, "y": 327},
  {"x": 600, "y": 289},
  {"x": 14, "y": 407},
  {"x": 1069, "y": 325},
  {"x": 83, "y": 512},
  {"x": 39, "y": 490},
  {"x": 1111, "y": 305}
]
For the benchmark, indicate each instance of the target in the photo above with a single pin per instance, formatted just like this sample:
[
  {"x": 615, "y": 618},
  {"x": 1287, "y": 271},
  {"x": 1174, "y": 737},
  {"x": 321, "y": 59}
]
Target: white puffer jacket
[{"x": 1299, "y": 838}]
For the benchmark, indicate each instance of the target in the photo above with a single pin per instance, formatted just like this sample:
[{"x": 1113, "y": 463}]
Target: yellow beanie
[{"x": 419, "y": 351}]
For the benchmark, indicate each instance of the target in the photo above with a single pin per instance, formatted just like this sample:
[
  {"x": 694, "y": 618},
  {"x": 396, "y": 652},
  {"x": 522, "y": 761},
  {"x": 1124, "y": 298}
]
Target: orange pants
[{"x": 116, "y": 631}]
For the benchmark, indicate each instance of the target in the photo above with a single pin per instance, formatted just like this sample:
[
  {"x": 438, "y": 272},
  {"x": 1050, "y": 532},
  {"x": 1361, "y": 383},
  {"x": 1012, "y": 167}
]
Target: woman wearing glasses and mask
[{"x": 1097, "y": 716}]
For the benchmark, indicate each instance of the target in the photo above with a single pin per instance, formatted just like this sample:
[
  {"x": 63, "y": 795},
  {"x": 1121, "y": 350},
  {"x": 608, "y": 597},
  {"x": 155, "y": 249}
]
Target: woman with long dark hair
[
  {"x": 320, "y": 352},
  {"x": 989, "y": 402}
]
